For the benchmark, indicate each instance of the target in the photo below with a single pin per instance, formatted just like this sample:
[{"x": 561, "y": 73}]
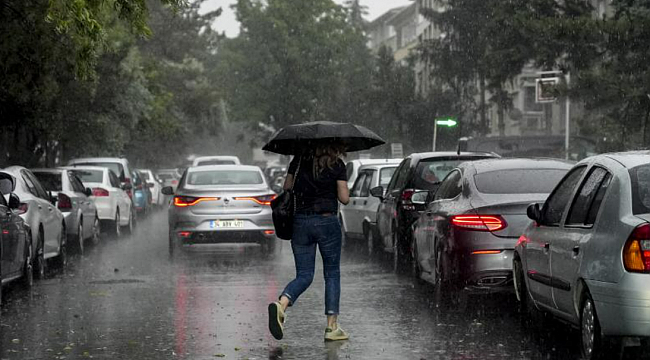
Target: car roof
[
  {"x": 14, "y": 168},
  {"x": 628, "y": 159},
  {"x": 216, "y": 157},
  {"x": 48, "y": 170},
  {"x": 376, "y": 161},
  {"x": 488, "y": 165},
  {"x": 223, "y": 167},
  {"x": 99, "y": 159},
  {"x": 98, "y": 168},
  {"x": 378, "y": 166},
  {"x": 451, "y": 154}
]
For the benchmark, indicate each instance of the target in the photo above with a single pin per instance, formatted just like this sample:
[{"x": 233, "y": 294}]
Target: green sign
[{"x": 449, "y": 122}]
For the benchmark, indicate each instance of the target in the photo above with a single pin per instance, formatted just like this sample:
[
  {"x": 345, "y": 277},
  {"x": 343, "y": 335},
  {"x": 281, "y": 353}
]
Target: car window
[
  {"x": 585, "y": 197},
  {"x": 115, "y": 182},
  {"x": 117, "y": 168},
  {"x": 77, "y": 185},
  {"x": 145, "y": 175},
  {"x": 558, "y": 200},
  {"x": 92, "y": 176},
  {"x": 215, "y": 162},
  {"x": 399, "y": 178},
  {"x": 385, "y": 175},
  {"x": 40, "y": 190},
  {"x": 640, "y": 178},
  {"x": 225, "y": 177},
  {"x": 430, "y": 172},
  {"x": 518, "y": 181},
  {"x": 365, "y": 188},
  {"x": 451, "y": 187},
  {"x": 50, "y": 181},
  {"x": 30, "y": 184},
  {"x": 598, "y": 200},
  {"x": 349, "y": 169},
  {"x": 358, "y": 183}
]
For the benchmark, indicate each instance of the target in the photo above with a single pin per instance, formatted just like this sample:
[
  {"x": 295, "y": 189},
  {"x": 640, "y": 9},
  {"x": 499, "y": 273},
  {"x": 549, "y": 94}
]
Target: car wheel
[
  {"x": 96, "y": 231},
  {"x": 130, "y": 227},
  {"x": 117, "y": 228},
  {"x": 80, "y": 238},
  {"x": 590, "y": 337},
  {"x": 519, "y": 282},
  {"x": 370, "y": 240},
  {"x": 62, "y": 259},
  {"x": 396, "y": 254},
  {"x": 28, "y": 267},
  {"x": 415, "y": 264},
  {"x": 174, "y": 247},
  {"x": 40, "y": 268}
]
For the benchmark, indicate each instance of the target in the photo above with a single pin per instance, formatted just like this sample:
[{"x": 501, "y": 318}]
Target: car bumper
[
  {"x": 257, "y": 228},
  {"x": 105, "y": 210},
  {"x": 488, "y": 272},
  {"x": 623, "y": 308},
  {"x": 71, "y": 225}
]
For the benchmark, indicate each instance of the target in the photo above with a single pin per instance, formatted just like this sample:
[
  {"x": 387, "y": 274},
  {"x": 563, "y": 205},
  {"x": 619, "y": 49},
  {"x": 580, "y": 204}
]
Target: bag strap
[{"x": 295, "y": 178}]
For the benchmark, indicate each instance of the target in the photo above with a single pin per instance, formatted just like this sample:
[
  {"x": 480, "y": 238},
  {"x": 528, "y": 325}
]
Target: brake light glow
[
  {"x": 63, "y": 202},
  {"x": 23, "y": 208},
  {"x": 100, "y": 192},
  {"x": 636, "y": 253},
  {"x": 479, "y": 222},
  {"x": 184, "y": 234},
  {"x": 407, "y": 195},
  {"x": 184, "y": 201},
  {"x": 269, "y": 232},
  {"x": 262, "y": 200},
  {"x": 486, "y": 252}
]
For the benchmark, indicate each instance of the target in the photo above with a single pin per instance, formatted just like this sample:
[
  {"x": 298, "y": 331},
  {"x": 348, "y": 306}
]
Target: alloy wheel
[
  {"x": 96, "y": 231},
  {"x": 41, "y": 264},
  {"x": 588, "y": 325},
  {"x": 118, "y": 229},
  {"x": 63, "y": 250},
  {"x": 28, "y": 271},
  {"x": 80, "y": 238}
]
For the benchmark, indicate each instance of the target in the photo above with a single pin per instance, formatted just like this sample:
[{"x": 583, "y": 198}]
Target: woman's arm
[
  {"x": 288, "y": 182},
  {"x": 343, "y": 191}
]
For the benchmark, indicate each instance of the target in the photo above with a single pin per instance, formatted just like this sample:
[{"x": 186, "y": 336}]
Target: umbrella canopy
[{"x": 295, "y": 139}]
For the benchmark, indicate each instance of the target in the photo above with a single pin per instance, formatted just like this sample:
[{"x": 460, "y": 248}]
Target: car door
[
  {"x": 368, "y": 204},
  {"x": 11, "y": 246},
  {"x": 384, "y": 210},
  {"x": 578, "y": 229},
  {"x": 86, "y": 206},
  {"x": 46, "y": 212},
  {"x": 350, "y": 212},
  {"x": 123, "y": 199},
  {"x": 392, "y": 201},
  {"x": 537, "y": 250}
]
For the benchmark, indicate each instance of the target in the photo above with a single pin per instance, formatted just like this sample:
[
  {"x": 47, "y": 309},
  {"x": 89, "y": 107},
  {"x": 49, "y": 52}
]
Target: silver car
[
  {"x": 221, "y": 204},
  {"x": 586, "y": 257},
  {"x": 73, "y": 199}
]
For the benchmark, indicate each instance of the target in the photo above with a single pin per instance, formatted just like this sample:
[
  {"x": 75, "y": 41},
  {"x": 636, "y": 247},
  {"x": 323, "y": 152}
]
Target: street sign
[
  {"x": 544, "y": 89},
  {"x": 449, "y": 122},
  {"x": 396, "y": 151}
]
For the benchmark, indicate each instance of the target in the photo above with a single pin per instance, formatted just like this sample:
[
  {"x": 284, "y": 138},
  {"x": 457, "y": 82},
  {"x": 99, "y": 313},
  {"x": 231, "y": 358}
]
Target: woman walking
[{"x": 319, "y": 182}]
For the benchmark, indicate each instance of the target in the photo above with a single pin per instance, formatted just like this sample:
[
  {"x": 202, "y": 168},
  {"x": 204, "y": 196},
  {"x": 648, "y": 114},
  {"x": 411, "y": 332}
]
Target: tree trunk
[
  {"x": 501, "y": 117},
  {"x": 483, "y": 115}
]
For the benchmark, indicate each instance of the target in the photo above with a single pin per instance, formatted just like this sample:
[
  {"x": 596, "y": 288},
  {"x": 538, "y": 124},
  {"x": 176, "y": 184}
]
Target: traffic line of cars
[
  {"x": 44, "y": 212},
  {"x": 570, "y": 240}
]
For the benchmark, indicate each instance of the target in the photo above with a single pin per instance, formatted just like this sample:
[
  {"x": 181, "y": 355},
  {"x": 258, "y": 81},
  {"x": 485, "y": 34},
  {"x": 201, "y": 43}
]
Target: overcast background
[{"x": 227, "y": 22}]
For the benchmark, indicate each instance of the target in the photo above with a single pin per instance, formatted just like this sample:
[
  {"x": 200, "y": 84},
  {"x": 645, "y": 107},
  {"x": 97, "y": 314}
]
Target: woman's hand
[{"x": 343, "y": 192}]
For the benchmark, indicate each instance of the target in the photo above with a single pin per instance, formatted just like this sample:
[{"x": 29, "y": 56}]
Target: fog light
[
  {"x": 184, "y": 234},
  {"x": 269, "y": 232}
]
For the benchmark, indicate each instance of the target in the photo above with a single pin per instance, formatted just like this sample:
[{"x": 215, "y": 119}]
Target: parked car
[
  {"x": 464, "y": 241},
  {"x": 155, "y": 185},
  {"x": 169, "y": 177},
  {"x": 141, "y": 194},
  {"x": 120, "y": 167},
  {"x": 73, "y": 199},
  {"x": 352, "y": 167},
  {"x": 45, "y": 221},
  {"x": 114, "y": 206},
  {"x": 216, "y": 160},
  {"x": 396, "y": 212},
  {"x": 586, "y": 257},
  {"x": 15, "y": 239},
  {"x": 221, "y": 204},
  {"x": 359, "y": 217}
]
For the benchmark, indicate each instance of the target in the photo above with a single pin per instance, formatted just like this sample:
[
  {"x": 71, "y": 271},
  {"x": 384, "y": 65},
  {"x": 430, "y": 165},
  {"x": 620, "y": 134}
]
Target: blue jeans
[{"x": 309, "y": 231}]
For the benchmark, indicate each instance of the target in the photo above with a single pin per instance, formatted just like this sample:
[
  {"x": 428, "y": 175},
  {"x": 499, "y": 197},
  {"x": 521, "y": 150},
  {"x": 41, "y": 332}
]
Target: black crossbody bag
[{"x": 284, "y": 208}]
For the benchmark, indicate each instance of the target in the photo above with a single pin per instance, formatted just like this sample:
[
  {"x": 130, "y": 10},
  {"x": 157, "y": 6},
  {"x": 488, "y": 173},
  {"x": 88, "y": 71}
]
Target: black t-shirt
[{"x": 318, "y": 194}]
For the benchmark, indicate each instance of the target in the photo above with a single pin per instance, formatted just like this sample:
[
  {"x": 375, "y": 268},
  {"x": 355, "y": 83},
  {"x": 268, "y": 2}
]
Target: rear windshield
[
  {"x": 91, "y": 176},
  {"x": 215, "y": 162},
  {"x": 430, "y": 172},
  {"x": 166, "y": 176},
  {"x": 50, "y": 181},
  {"x": 519, "y": 181},
  {"x": 224, "y": 177},
  {"x": 640, "y": 177},
  {"x": 145, "y": 175},
  {"x": 385, "y": 174},
  {"x": 117, "y": 168}
]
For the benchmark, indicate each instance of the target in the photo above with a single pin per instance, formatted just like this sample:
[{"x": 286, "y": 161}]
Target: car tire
[
  {"x": 62, "y": 259},
  {"x": 116, "y": 228},
  {"x": 28, "y": 268},
  {"x": 174, "y": 246},
  {"x": 40, "y": 264},
  {"x": 519, "y": 282},
  {"x": 130, "y": 227},
  {"x": 416, "y": 271},
  {"x": 370, "y": 241},
  {"x": 80, "y": 238},
  {"x": 591, "y": 339},
  {"x": 97, "y": 230},
  {"x": 401, "y": 253}
]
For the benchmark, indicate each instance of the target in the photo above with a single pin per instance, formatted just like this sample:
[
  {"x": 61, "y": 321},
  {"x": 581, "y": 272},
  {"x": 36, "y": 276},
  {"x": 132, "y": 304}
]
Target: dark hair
[{"x": 326, "y": 156}]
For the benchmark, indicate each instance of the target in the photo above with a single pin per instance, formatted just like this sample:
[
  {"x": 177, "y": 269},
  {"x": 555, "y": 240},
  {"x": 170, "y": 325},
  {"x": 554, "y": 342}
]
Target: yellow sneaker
[
  {"x": 335, "y": 334},
  {"x": 276, "y": 320}
]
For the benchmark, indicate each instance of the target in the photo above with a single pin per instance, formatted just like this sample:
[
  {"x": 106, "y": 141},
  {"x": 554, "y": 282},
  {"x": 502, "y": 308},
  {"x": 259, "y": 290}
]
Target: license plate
[{"x": 218, "y": 224}]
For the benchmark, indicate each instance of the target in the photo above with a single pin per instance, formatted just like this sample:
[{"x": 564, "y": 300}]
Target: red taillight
[
  {"x": 184, "y": 201},
  {"x": 636, "y": 253},
  {"x": 184, "y": 234},
  {"x": 23, "y": 208},
  {"x": 407, "y": 195},
  {"x": 63, "y": 202},
  {"x": 269, "y": 232},
  {"x": 486, "y": 252},
  {"x": 262, "y": 200},
  {"x": 100, "y": 192},
  {"x": 479, "y": 222}
]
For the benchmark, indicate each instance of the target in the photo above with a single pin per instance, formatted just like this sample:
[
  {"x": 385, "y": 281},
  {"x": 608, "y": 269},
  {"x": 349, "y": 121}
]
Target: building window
[{"x": 530, "y": 105}]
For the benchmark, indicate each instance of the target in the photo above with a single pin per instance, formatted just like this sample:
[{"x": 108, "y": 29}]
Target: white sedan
[{"x": 114, "y": 206}]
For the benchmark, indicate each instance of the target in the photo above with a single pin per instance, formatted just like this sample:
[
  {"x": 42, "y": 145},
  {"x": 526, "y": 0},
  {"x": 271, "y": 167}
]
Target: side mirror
[
  {"x": 534, "y": 213},
  {"x": 378, "y": 192},
  {"x": 14, "y": 201},
  {"x": 88, "y": 192},
  {"x": 167, "y": 190},
  {"x": 420, "y": 197}
]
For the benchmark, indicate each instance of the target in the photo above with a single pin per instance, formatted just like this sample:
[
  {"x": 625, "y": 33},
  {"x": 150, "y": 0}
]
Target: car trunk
[
  {"x": 512, "y": 209},
  {"x": 232, "y": 200}
]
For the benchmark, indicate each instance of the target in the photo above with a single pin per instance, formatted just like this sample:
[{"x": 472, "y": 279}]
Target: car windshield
[
  {"x": 430, "y": 172},
  {"x": 215, "y": 162},
  {"x": 224, "y": 177},
  {"x": 50, "y": 181},
  {"x": 640, "y": 177},
  {"x": 166, "y": 176},
  {"x": 90, "y": 176},
  {"x": 385, "y": 174},
  {"x": 518, "y": 181},
  {"x": 145, "y": 175}
]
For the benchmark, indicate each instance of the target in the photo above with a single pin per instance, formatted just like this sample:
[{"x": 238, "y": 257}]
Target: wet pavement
[{"x": 125, "y": 299}]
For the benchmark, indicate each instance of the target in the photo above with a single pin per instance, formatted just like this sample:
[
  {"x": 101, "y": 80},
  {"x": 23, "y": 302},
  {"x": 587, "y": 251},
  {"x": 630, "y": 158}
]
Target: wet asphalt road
[{"x": 127, "y": 300}]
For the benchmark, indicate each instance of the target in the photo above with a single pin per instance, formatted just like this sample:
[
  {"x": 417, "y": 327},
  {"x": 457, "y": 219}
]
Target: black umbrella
[{"x": 294, "y": 139}]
